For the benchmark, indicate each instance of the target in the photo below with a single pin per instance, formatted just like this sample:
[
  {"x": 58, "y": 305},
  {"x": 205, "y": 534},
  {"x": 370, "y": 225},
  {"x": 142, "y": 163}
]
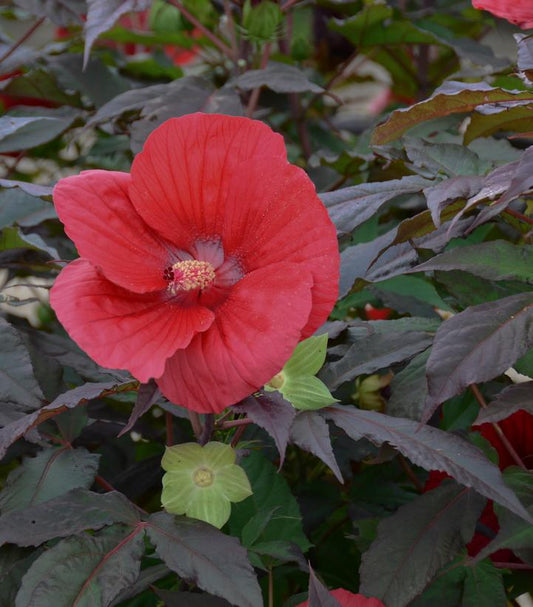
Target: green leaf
[
  {"x": 307, "y": 393},
  {"x": 79, "y": 510},
  {"x": 270, "y": 490},
  {"x": 483, "y": 586},
  {"x": 40, "y": 85},
  {"x": 26, "y": 128},
  {"x": 14, "y": 562},
  {"x": 188, "y": 599},
  {"x": 450, "y": 98},
  {"x": 261, "y": 22},
  {"x": 308, "y": 357},
  {"x": 85, "y": 571},
  {"x": 15, "y": 238},
  {"x": 409, "y": 389},
  {"x": 511, "y": 119},
  {"x": 199, "y": 553},
  {"x": 52, "y": 472},
  {"x": 426, "y": 534}
]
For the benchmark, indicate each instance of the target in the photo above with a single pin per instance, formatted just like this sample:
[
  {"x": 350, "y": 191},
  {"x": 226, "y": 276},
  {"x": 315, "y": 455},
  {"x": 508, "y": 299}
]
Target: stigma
[{"x": 189, "y": 275}]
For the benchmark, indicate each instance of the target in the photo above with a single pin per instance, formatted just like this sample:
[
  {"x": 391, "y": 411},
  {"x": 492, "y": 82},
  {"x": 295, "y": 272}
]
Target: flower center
[
  {"x": 277, "y": 381},
  {"x": 203, "y": 477},
  {"x": 189, "y": 275}
]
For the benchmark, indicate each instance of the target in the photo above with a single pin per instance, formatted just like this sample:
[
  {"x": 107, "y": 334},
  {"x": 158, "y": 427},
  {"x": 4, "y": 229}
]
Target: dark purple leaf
[
  {"x": 102, "y": 15},
  {"x": 273, "y": 413},
  {"x": 278, "y": 77},
  {"x": 448, "y": 191},
  {"x": 477, "y": 345},
  {"x": 452, "y": 159},
  {"x": 350, "y": 207},
  {"x": 77, "y": 396},
  {"x": 319, "y": 596},
  {"x": 61, "y": 12},
  {"x": 33, "y": 189},
  {"x": 494, "y": 260},
  {"x": 198, "y": 552},
  {"x": 426, "y": 534},
  {"x": 85, "y": 570},
  {"x": 146, "y": 578},
  {"x": 409, "y": 389},
  {"x": 52, "y": 472},
  {"x": 19, "y": 390},
  {"x": 188, "y": 599},
  {"x": 510, "y": 400},
  {"x": 525, "y": 56},
  {"x": 430, "y": 448},
  {"x": 68, "y": 514},
  {"x": 310, "y": 432},
  {"x": 146, "y": 396}
]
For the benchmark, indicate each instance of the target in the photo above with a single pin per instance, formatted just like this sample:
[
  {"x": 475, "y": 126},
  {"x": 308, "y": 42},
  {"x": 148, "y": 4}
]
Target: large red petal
[
  {"x": 100, "y": 219},
  {"x": 120, "y": 329},
  {"x": 254, "y": 334},
  {"x": 177, "y": 179},
  {"x": 272, "y": 215}
]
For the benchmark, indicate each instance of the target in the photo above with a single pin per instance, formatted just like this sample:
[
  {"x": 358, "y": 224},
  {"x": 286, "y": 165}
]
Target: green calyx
[
  {"x": 201, "y": 482},
  {"x": 297, "y": 382}
]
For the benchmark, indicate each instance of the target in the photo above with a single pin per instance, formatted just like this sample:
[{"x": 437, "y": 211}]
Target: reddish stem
[
  {"x": 238, "y": 434},
  {"x": 245, "y": 421},
  {"x": 507, "y": 444},
  {"x": 169, "y": 424},
  {"x": 254, "y": 97},
  {"x": 22, "y": 39}
]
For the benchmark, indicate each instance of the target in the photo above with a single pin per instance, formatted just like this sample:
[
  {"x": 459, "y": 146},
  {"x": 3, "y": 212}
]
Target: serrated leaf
[
  {"x": 451, "y": 98},
  {"x": 146, "y": 578},
  {"x": 477, "y": 345},
  {"x": 23, "y": 129},
  {"x": 515, "y": 119},
  {"x": 484, "y": 586},
  {"x": 493, "y": 260},
  {"x": 310, "y": 432},
  {"x": 451, "y": 159},
  {"x": 374, "y": 352},
  {"x": 409, "y": 389},
  {"x": 318, "y": 593},
  {"x": 79, "y": 510},
  {"x": 19, "y": 389},
  {"x": 147, "y": 395},
  {"x": 510, "y": 400},
  {"x": 278, "y": 77},
  {"x": 61, "y": 12},
  {"x": 102, "y": 15},
  {"x": 188, "y": 599},
  {"x": 448, "y": 191},
  {"x": 77, "y": 396},
  {"x": 350, "y": 207},
  {"x": 85, "y": 571},
  {"x": 416, "y": 541},
  {"x": 52, "y": 472},
  {"x": 273, "y": 413},
  {"x": 430, "y": 448},
  {"x": 198, "y": 552}
]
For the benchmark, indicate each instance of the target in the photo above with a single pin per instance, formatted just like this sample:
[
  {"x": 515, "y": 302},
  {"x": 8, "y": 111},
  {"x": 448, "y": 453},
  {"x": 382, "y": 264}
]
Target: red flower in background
[
  {"x": 519, "y": 12},
  {"x": 372, "y": 313},
  {"x": 349, "y": 599},
  {"x": 518, "y": 429},
  {"x": 204, "y": 267}
]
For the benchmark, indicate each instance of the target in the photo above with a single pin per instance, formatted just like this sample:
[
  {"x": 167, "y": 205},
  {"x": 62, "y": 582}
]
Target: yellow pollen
[
  {"x": 190, "y": 275},
  {"x": 203, "y": 477},
  {"x": 277, "y": 381}
]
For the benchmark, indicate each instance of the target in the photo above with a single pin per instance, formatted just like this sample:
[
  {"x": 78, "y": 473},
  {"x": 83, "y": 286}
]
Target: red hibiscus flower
[
  {"x": 349, "y": 599},
  {"x": 518, "y": 429},
  {"x": 204, "y": 267},
  {"x": 515, "y": 11}
]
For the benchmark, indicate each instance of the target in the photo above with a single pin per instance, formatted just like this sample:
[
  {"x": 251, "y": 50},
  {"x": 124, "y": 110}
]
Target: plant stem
[
  {"x": 196, "y": 424},
  {"x": 254, "y": 97},
  {"x": 22, "y": 39},
  {"x": 234, "y": 423},
  {"x": 519, "y": 216},
  {"x": 238, "y": 434},
  {"x": 515, "y": 566},
  {"x": 169, "y": 424},
  {"x": 288, "y": 5},
  {"x": 270, "y": 588},
  {"x": 231, "y": 30},
  {"x": 223, "y": 47},
  {"x": 507, "y": 444},
  {"x": 207, "y": 431},
  {"x": 409, "y": 471}
]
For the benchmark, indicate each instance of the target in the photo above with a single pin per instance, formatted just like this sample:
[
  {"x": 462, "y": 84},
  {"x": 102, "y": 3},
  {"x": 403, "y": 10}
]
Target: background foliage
[{"x": 413, "y": 119}]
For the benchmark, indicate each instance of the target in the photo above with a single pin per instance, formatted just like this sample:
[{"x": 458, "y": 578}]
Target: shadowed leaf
[
  {"x": 147, "y": 395},
  {"x": 318, "y": 593},
  {"x": 509, "y": 400},
  {"x": 80, "y": 510},
  {"x": 278, "y": 77},
  {"x": 188, "y": 599},
  {"x": 61, "y": 12},
  {"x": 477, "y": 345},
  {"x": 198, "y": 552},
  {"x": 426, "y": 534},
  {"x": 430, "y": 448},
  {"x": 85, "y": 571},
  {"x": 51, "y": 473}
]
